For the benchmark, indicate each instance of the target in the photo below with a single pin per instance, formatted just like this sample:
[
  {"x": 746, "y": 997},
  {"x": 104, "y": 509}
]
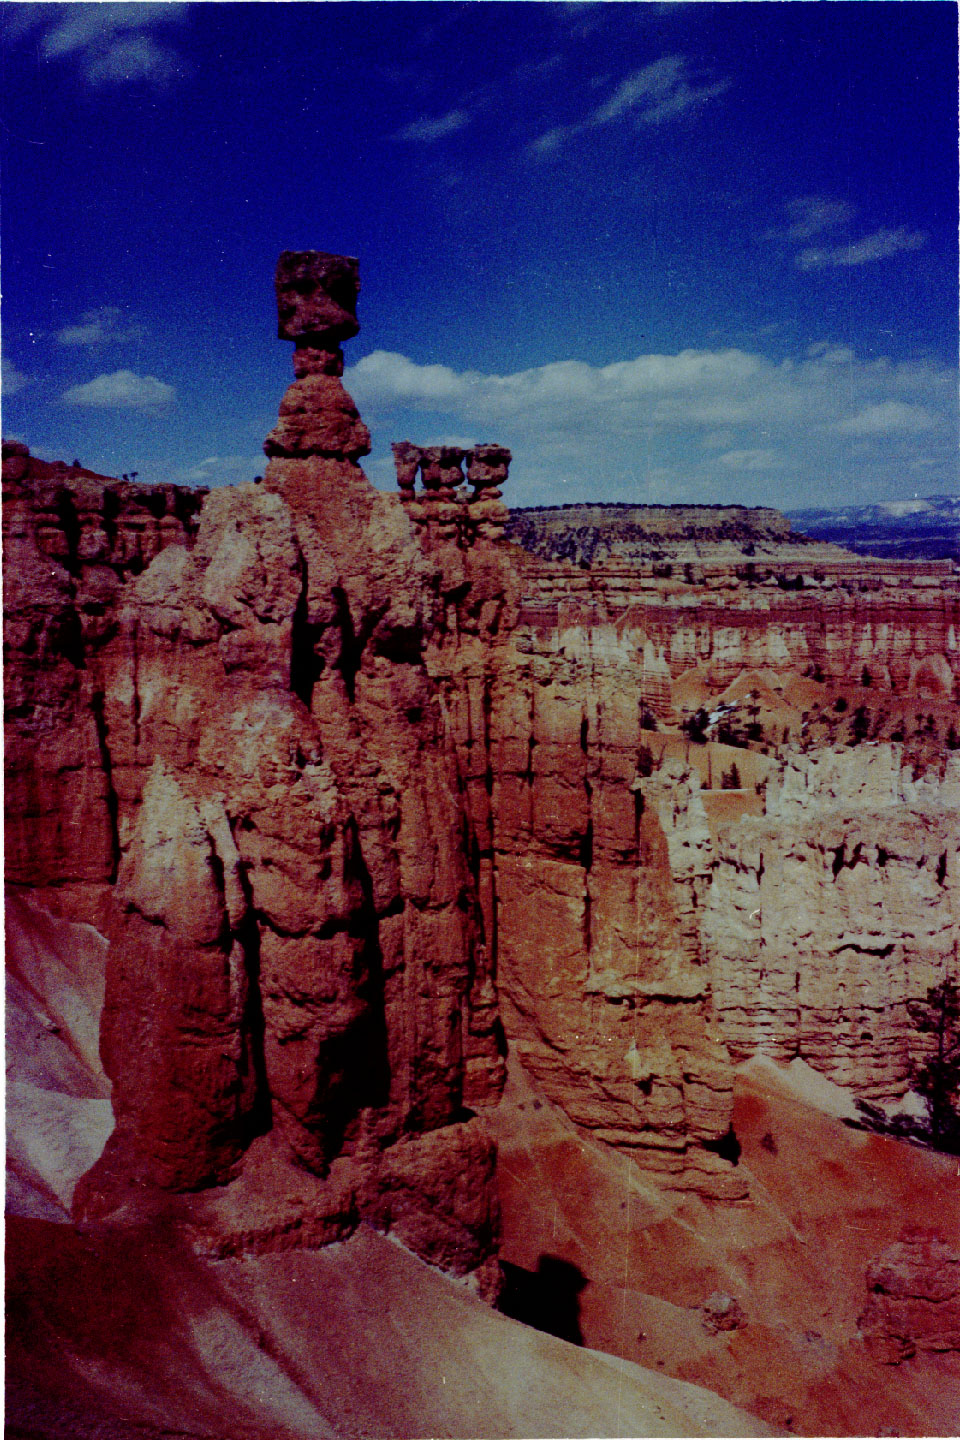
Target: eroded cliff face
[
  {"x": 360, "y": 794},
  {"x": 835, "y": 909},
  {"x": 589, "y": 904}
]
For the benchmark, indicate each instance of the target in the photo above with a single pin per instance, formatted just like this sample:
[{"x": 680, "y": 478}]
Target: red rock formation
[
  {"x": 296, "y": 956},
  {"x": 326, "y": 765},
  {"x": 913, "y": 1300}
]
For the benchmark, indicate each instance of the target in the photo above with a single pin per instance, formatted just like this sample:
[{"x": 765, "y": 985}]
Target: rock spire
[{"x": 316, "y": 307}]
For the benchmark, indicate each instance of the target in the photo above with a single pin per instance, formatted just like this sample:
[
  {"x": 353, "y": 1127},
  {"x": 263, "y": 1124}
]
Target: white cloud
[
  {"x": 12, "y": 379},
  {"x": 112, "y": 43},
  {"x": 123, "y": 390},
  {"x": 101, "y": 327},
  {"x": 877, "y": 246},
  {"x": 428, "y": 130},
  {"x": 663, "y": 90},
  {"x": 133, "y": 57},
  {"x": 715, "y": 424},
  {"x": 887, "y": 418},
  {"x": 751, "y": 460},
  {"x": 829, "y": 354}
]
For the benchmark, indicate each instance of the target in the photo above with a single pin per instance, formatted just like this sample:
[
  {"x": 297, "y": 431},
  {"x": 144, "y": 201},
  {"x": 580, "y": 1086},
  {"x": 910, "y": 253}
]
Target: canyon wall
[
  {"x": 834, "y": 911},
  {"x": 591, "y": 902},
  {"x": 362, "y": 794}
]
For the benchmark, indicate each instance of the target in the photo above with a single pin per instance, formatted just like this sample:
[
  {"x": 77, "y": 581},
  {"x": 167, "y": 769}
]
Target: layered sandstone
[
  {"x": 590, "y": 877},
  {"x": 832, "y": 912},
  {"x": 269, "y": 827}
]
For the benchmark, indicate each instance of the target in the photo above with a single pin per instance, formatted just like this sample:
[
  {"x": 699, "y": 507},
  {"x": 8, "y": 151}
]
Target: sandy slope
[
  {"x": 58, "y": 1098},
  {"x": 824, "y": 1201},
  {"x": 121, "y": 1333},
  {"x": 359, "y": 1339}
]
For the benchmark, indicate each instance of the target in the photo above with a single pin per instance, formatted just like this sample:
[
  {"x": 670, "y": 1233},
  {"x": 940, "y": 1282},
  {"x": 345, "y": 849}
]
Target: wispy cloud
[
  {"x": 698, "y": 424},
  {"x": 427, "y": 130},
  {"x": 878, "y": 246},
  {"x": 663, "y": 90},
  {"x": 114, "y": 44},
  {"x": 123, "y": 390},
  {"x": 751, "y": 460},
  {"x": 12, "y": 379},
  {"x": 810, "y": 215},
  {"x": 222, "y": 470},
  {"x": 102, "y": 326},
  {"x": 889, "y": 417}
]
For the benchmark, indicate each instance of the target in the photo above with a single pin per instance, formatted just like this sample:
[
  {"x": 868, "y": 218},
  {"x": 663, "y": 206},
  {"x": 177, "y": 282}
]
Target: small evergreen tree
[
  {"x": 696, "y": 727},
  {"x": 938, "y": 1078},
  {"x": 730, "y": 780},
  {"x": 861, "y": 725}
]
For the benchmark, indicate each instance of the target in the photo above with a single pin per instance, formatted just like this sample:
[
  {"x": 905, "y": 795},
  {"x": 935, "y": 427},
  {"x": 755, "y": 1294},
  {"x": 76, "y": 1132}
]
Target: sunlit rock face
[
  {"x": 591, "y": 869},
  {"x": 833, "y": 911},
  {"x": 363, "y": 795},
  {"x": 258, "y": 800}
]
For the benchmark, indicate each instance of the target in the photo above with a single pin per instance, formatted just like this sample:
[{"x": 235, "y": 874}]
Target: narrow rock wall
[{"x": 590, "y": 879}]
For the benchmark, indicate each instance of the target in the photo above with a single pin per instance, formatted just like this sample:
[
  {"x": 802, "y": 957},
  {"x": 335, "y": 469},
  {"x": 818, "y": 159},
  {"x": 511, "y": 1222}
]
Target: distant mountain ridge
[{"x": 924, "y": 528}]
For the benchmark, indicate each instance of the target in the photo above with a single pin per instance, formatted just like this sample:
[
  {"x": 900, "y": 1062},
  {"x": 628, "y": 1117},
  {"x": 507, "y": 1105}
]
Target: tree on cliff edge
[{"x": 938, "y": 1078}]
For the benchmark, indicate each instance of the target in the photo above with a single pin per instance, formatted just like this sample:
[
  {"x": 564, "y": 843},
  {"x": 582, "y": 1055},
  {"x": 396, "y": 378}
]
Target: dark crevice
[
  {"x": 353, "y": 1071},
  {"x": 70, "y": 525},
  {"x": 305, "y": 664},
  {"x": 259, "y": 1118},
  {"x": 106, "y": 763},
  {"x": 727, "y": 1146},
  {"x": 882, "y": 951},
  {"x": 351, "y": 645},
  {"x": 66, "y": 639},
  {"x": 942, "y": 869},
  {"x": 547, "y": 1298}
]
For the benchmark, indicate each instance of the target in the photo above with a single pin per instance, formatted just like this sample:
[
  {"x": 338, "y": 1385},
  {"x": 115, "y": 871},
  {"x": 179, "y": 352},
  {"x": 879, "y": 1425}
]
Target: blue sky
[{"x": 666, "y": 252}]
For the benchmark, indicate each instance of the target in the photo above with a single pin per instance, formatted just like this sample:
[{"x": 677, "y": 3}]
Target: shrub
[
  {"x": 695, "y": 727},
  {"x": 938, "y": 1078}
]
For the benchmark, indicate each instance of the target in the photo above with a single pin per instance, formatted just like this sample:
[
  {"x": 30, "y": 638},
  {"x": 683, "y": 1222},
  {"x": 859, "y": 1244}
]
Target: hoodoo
[
  {"x": 296, "y": 969},
  {"x": 367, "y": 798}
]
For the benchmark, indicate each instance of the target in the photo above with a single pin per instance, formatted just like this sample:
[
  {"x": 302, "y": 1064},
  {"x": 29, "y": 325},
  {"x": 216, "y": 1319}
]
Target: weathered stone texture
[
  {"x": 296, "y": 940},
  {"x": 913, "y": 1299},
  {"x": 835, "y": 909}
]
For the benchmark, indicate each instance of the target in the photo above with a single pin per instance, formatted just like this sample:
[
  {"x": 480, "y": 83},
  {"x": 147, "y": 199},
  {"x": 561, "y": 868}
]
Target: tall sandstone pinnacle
[{"x": 297, "y": 972}]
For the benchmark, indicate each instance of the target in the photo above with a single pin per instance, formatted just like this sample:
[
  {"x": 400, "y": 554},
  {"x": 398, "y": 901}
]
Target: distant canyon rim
[{"x": 395, "y": 862}]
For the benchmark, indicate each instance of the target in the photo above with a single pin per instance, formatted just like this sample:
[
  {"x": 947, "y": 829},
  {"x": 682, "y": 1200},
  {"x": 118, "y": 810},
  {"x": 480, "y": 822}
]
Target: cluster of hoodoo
[{"x": 444, "y": 503}]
